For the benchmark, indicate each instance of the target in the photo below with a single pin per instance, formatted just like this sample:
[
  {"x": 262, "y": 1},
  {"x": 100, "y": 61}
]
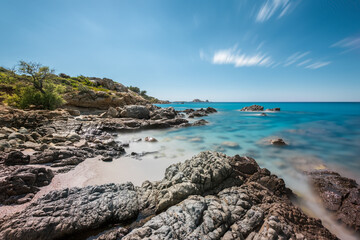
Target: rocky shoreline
[
  {"x": 210, "y": 196},
  {"x": 61, "y": 139}
]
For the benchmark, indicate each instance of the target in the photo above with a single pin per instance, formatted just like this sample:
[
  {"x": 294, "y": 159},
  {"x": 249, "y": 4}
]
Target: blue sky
[{"x": 275, "y": 50}]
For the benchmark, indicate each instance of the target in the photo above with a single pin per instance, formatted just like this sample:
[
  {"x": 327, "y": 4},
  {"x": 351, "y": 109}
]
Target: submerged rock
[
  {"x": 230, "y": 144},
  {"x": 278, "y": 142}
]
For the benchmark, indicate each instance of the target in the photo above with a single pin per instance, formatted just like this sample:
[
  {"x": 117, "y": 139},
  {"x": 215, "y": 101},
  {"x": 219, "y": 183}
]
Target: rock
[
  {"x": 23, "y": 130},
  {"x": 210, "y": 110},
  {"x": 108, "y": 84},
  {"x": 255, "y": 108},
  {"x": 18, "y": 181},
  {"x": 16, "y": 135},
  {"x": 150, "y": 139},
  {"x": 339, "y": 195},
  {"x": 200, "y": 122},
  {"x": 263, "y": 114},
  {"x": 73, "y": 112},
  {"x": 278, "y": 142},
  {"x": 210, "y": 196},
  {"x": 35, "y": 136},
  {"x": 102, "y": 100},
  {"x": 163, "y": 113},
  {"x": 135, "y": 111},
  {"x": 273, "y": 109},
  {"x": 113, "y": 234},
  {"x": 17, "y": 158},
  {"x": 74, "y": 137},
  {"x": 111, "y": 112},
  {"x": 61, "y": 213},
  {"x": 107, "y": 159},
  {"x": 230, "y": 144}
]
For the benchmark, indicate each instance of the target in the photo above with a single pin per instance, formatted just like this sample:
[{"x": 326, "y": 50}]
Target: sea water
[{"x": 319, "y": 136}]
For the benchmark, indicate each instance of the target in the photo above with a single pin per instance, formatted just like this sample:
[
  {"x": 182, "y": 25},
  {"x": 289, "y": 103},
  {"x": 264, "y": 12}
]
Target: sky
[{"x": 179, "y": 50}]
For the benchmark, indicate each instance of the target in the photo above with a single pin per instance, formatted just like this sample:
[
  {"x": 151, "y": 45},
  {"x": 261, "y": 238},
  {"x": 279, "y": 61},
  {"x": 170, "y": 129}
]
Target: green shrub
[{"x": 27, "y": 96}]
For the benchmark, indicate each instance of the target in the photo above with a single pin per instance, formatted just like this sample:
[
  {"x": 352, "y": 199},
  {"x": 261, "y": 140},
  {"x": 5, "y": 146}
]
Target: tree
[
  {"x": 43, "y": 93},
  {"x": 38, "y": 73}
]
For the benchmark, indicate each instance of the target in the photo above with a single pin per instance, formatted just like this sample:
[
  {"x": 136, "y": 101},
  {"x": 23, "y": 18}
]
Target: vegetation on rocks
[{"x": 32, "y": 85}]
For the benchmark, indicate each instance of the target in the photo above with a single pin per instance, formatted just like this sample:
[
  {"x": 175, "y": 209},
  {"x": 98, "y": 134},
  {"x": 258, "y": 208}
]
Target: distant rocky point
[
  {"x": 198, "y": 100},
  {"x": 257, "y": 108}
]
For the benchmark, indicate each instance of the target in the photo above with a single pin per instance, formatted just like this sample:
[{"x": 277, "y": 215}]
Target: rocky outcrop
[
  {"x": 108, "y": 84},
  {"x": 134, "y": 111},
  {"x": 210, "y": 196},
  {"x": 11, "y": 117},
  {"x": 252, "y": 108},
  {"x": 69, "y": 211},
  {"x": 199, "y": 112},
  {"x": 102, "y": 100},
  {"x": 339, "y": 195},
  {"x": 18, "y": 184}
]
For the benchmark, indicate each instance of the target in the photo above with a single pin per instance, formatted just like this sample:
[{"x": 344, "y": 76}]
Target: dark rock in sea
[
  {"x": 278, "y": 142},
  {"x": 340, "y": 195},
  {"x": 255, "y": 108},
  {"x": 210, "y": 196},
  {"x": 200, "y": 122},
  {"x": 199, "y": 112},
  {"x": 18, "y": 182},
  {"x": 273, "y": 109},
  {"x": 263, "y": 114},
  {"x": 163, "y": 113},
  {"x": 17, "y": 158}
]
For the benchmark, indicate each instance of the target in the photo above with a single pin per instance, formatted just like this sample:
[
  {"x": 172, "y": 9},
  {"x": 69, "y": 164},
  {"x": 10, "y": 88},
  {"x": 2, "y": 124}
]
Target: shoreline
[{"x": 92, "y": 171}]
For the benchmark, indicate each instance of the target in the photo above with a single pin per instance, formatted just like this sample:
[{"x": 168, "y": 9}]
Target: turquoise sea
[{"x": 323, "y": 133}]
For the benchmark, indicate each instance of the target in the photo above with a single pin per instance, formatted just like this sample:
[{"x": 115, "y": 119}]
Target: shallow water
[{"x": 320, "y": 135}]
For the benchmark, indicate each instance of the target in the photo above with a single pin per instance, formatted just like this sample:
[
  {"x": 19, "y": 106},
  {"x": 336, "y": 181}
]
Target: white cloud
[
  {"x": 317, "y": 65},
  {"x": 303, "y": 62},
  {"x": 270, "y": 7},
  {"x": 295, "y": 57},
  {"x": 230, "y": 56},
  {"x": 350, "y": 43}
]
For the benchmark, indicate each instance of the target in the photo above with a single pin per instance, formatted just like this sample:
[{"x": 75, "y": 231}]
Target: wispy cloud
[
  {"x": 350, "y": 43},
  {"x": 295, "y": 57},
  {"x": 270, "y": 7},
  {"x": 303, "y": 62},
  {"x": 231, "y": 56},
  {"x": 317, "y": 65}
]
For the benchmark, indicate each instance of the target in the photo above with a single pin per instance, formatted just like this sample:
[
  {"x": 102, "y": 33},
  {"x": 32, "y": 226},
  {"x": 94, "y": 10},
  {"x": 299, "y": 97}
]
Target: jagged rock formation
[
  {"x": 340, "y": 195},
  {"x": 210, "y": 196}
]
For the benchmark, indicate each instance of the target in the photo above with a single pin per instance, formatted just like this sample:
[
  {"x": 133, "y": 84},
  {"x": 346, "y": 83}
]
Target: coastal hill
[{"x": 80, "y": 91}]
